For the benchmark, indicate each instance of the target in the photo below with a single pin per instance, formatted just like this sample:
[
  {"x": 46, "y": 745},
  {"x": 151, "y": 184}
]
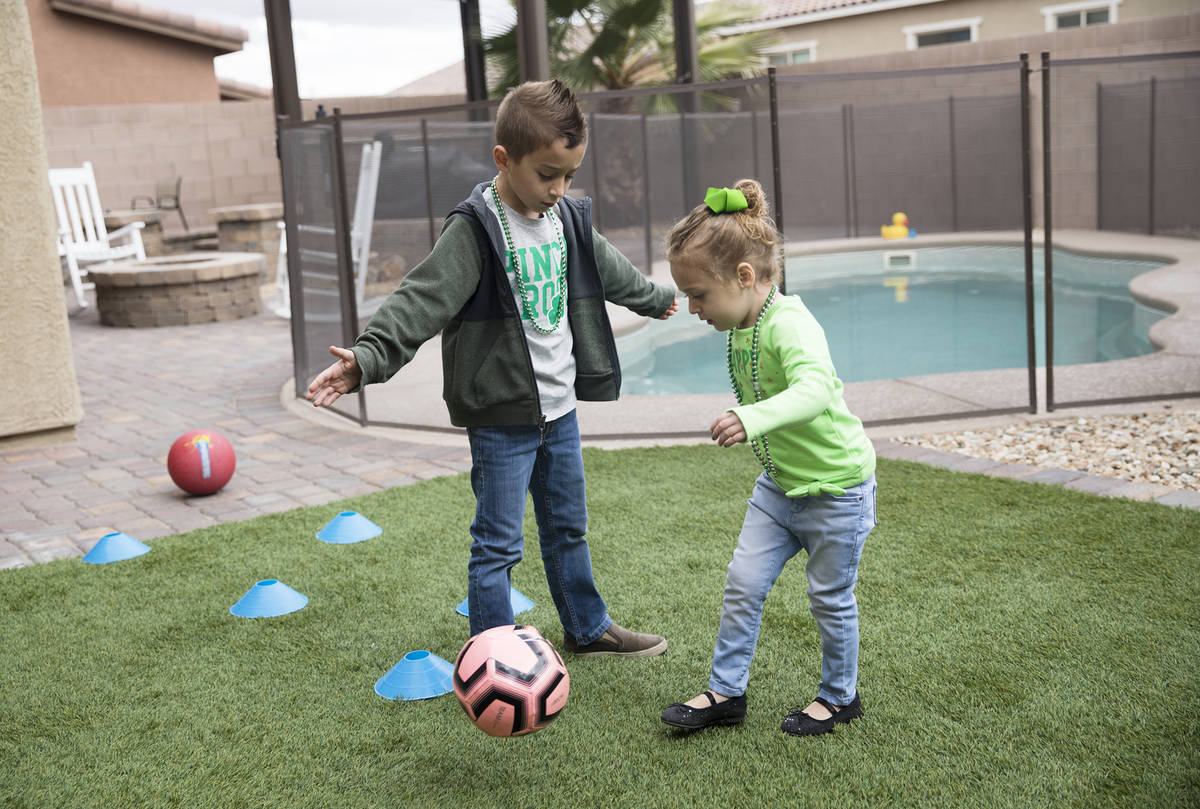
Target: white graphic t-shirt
[{"x": 539, "y": 246}]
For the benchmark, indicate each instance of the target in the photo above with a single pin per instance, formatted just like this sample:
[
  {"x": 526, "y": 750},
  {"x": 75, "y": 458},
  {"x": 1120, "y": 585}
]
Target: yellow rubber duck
[{"x": 898, "y": 229}]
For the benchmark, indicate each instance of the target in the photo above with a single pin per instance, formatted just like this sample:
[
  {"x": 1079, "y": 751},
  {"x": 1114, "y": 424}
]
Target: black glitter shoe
[
  {"x": 730, "y": 712},
  {"x": 798, "y": 723}
]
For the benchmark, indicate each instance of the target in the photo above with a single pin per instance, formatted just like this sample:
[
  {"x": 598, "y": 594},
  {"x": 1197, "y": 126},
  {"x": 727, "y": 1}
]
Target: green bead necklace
[
  {"x": 526, "y": 292},
  {"x": 763, "y": 454}
]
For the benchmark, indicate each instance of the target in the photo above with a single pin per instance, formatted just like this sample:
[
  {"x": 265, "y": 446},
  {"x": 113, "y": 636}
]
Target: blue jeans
[
  {"x": 507, "y": 462},
  {"x": 832, "y": 530}
]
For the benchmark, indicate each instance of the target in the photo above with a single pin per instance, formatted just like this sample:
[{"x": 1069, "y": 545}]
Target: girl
[{"x": 817, "y": 489}]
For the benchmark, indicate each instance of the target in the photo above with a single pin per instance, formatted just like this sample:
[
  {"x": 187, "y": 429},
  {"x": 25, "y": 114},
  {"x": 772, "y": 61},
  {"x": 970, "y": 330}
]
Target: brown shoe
[{"x": 618, "y": 640}]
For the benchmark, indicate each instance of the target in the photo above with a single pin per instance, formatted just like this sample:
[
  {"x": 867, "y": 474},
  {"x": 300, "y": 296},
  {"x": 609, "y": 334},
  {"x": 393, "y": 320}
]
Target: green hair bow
[{"x": 725, "y": 200}]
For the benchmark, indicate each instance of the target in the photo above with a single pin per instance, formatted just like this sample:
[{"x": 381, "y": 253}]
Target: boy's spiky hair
[{"x": 535, "y": 114}]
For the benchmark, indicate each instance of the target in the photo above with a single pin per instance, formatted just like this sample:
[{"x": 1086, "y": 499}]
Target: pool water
[{"x": 932, "y": 310}]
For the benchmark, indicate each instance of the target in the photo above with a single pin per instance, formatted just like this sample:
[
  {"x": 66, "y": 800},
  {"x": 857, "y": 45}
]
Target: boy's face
[{"x": 540, "y": 179}]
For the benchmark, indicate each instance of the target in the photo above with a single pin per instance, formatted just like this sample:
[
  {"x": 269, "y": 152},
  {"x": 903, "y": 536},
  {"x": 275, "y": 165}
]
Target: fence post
[
  {"x": 1150, "y": 173},
  {"x": 594, "y": 148},
  {"x": 1027, "y": 189},
  {"x": 428, "y": 180},
  {"x": 848, "y": 167},
  {"x": 776, "y": 168},
  {"x": 686, "y": 154},
  {"x": 754, "y": 141},
  {"x": 292, "y": 257},
  {"x": 953, "y": 171},
  {"x": 647, "y": 220},
  {"x": 345, "y": 263},
  {"x": 1047, "y": 233},
  {"x": 1099, "y": 156}
]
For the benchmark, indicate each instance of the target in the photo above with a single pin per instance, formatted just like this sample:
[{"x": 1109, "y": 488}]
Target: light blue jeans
[
  {"x": 832, "y": 530},
  {"x": 507, "y": 463}
]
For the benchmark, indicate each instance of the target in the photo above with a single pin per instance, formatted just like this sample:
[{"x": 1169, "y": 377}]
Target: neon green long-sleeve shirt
[{"x": 816, "y": 443}]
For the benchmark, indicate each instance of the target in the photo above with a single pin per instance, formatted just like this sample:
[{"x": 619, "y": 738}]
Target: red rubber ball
[{"x": 201, "y": 461}]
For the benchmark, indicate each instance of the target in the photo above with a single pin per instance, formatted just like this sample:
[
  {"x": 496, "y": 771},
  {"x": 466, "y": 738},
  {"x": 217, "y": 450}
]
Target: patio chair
[
  {"x": 82, "y": 236},
  {"x": 360, "y": 238},
  {"x": 166, "y": 198}
]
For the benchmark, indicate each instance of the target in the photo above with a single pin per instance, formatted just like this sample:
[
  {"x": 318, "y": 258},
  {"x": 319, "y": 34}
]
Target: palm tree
[{"x": 617, "y": 44}]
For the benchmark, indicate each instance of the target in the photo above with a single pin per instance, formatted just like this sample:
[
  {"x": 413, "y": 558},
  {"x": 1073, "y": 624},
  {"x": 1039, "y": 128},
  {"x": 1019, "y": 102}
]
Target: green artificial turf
[{"x": 1022, "y": 646}]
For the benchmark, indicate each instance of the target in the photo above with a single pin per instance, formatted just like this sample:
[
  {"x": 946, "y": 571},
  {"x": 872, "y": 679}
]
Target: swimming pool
[{"x": 926, "y": 311}]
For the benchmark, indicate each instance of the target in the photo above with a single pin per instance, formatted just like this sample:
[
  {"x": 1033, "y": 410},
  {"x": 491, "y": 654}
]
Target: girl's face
[{"x": 723, "y": 303}]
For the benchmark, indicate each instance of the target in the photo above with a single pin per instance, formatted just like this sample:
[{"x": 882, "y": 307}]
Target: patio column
[
  {"x": 687, "y": 71},
  {"x": 533, "y": 57},
  {"x": 687, "y": 61},
  {"x": 286, "y": 91},
  {"x": 473, "y": 50}
]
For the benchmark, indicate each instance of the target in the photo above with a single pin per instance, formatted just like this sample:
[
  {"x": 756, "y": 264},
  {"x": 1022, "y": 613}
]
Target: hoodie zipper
[{"x": 503, "y": 269}]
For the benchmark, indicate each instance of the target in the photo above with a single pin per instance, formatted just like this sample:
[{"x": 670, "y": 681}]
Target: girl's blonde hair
[{"x": 718, "y": 242}]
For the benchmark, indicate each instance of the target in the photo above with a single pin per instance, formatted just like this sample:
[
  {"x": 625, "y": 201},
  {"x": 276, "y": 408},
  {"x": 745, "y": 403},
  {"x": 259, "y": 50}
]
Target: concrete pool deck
[
  {"x": 409, "y": 407},
  {"x": 141, "y": 388}
]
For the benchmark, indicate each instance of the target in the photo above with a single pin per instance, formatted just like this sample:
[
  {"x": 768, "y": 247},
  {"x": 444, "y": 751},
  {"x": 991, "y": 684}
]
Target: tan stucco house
[
  {"x": 107, "y": 52},
  {"x": 825, "y": 30}
]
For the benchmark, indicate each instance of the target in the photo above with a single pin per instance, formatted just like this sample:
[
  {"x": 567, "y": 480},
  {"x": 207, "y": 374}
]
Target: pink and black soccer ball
[
  {"x": 201, "y": 461},
  {"x": 510, "y": 680}
]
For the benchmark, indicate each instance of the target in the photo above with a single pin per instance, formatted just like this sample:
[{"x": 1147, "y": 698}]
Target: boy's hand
[
  {"x": 728, "y": 430},
  {"x": 341, "y": 377},
  {"x": 672, "y": 309}
]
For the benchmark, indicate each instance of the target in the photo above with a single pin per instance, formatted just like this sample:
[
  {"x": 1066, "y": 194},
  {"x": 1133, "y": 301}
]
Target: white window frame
[
  {"x": 1051, "y": 12},
  {"x": 912, "y": 31},
  {"x": 809, "y": 45}
]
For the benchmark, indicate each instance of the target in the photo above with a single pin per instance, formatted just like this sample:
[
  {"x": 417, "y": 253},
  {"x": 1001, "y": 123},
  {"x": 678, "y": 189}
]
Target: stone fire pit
[
  {"x": 178, "y": 290},
  {"x": 253, "y": 228}
]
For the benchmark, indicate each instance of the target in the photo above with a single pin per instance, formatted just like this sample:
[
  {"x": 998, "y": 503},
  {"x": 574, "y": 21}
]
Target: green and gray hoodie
[{"x": 461, "y": 289}]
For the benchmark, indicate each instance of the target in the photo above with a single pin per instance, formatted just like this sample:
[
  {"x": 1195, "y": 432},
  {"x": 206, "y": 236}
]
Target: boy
[{"x": 516, "y": 283}]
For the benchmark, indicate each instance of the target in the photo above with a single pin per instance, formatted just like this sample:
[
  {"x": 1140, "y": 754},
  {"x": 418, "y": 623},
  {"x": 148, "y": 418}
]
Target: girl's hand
[
  {"x": 727, "y": 430},
  {"x": 672, "y": 309},
  {"x": 341, "y": 377}
]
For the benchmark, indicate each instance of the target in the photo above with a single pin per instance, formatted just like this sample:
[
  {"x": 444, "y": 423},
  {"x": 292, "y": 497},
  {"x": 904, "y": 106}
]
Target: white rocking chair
[
  {"x": 360, "y": 235},
  {"x": 82, "y": 237}
]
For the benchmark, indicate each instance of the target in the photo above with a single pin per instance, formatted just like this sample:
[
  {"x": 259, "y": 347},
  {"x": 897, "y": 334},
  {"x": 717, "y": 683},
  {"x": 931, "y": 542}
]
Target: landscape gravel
[{"x": 1161, "y": 447}]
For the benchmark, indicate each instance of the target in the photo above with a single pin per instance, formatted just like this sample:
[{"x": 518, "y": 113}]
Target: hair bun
[{"x": 756, "y": 198}]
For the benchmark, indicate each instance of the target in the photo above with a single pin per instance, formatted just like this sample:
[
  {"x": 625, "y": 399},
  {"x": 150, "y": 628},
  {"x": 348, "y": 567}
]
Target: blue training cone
[
  {"x": 115, "y": 547},
  {"x": 268, "y": 598},
  {"x": 418, "y": 675},
  {"x": 519, "y": 603},
  {"x": 348, "y": 527}
]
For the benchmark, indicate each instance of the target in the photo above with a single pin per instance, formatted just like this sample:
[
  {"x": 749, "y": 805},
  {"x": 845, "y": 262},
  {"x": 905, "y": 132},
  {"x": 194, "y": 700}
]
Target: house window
[
  {"x": 944, "y": 37},
  {"x": 1080, "y": 15},
  {"x": 791, "y": 53},
  {"x": 942, "y": 33}
]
